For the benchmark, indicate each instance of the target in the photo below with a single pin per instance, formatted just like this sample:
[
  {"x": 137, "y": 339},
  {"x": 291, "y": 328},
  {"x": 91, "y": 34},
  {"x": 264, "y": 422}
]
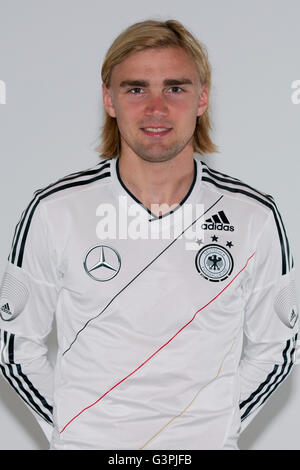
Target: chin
[{"x": 156, "y": 158}]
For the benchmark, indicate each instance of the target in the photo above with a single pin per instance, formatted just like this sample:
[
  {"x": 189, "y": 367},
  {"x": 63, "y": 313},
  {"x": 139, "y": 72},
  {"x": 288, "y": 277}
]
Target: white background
[{"x": 50, "y": 59}]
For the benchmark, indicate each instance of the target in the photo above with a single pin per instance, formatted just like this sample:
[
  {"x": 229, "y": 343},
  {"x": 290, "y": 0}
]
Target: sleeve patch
[
  {"x": 285, "y": 305},
  {"x": 13, "y": 297}
]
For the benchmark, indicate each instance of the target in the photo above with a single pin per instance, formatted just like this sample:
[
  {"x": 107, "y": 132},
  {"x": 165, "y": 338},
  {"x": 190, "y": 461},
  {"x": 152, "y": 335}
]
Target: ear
[
  {"x": 203, "y": 99},
  {"x": 107, "y": 101}
]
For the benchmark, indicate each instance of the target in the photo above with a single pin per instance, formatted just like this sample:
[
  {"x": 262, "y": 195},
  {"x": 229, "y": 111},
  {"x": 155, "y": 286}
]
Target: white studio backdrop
[{"x": 51, "y": 53}]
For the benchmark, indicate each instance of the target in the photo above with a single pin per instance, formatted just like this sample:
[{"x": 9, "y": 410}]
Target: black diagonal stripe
[
  {"x": 223, "y": 217},
  {"x": 285, "y": 362},
  {"x": 33, "y": 207},
  {"x": 138, "y": 274},
  {"x": 235, "y": 181},
  {"x": 267, "y": 204}
]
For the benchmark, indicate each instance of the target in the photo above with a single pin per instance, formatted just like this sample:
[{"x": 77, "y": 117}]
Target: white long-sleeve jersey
[{"x": 173, "y": 331}]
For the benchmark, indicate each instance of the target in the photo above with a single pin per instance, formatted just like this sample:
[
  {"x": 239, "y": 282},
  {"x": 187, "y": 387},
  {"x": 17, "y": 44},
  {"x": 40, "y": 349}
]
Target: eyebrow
[{"x": 167, "y": 82}]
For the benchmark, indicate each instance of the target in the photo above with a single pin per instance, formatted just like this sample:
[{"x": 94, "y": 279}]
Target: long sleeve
[
  {"x": 28, "y": 299},
  {"x": 271, "y": 320}
]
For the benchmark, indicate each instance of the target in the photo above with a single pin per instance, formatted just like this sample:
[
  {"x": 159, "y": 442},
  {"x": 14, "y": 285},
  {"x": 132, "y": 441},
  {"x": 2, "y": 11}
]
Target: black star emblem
[
  {"x": 229, "y": 244},
  {"x": 214, "y": 238}
]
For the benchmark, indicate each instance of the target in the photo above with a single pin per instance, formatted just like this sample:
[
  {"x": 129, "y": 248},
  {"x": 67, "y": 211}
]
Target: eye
[
  {"x": 135, "y": 91},
  {"x": 176, "y": 89}
]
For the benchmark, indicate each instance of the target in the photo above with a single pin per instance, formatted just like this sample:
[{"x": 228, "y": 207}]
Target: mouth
[{"x": 156, "y": 131}]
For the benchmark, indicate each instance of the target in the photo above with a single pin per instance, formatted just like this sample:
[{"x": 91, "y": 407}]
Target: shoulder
[
  {"x": 256, "y": 207},
  {"x": 237, "y": 189},
  {"x": 74, "y": 183},
  {"x": 32, "y": 223}
]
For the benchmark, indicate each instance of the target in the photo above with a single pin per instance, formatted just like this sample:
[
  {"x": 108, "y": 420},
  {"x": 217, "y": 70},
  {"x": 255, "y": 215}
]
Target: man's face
[{"x": 156, "y": 96}]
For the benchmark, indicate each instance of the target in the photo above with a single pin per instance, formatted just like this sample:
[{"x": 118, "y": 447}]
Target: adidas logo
[
  {"x": 218, "y": 221},
  {"x": 5, "y": 309}
]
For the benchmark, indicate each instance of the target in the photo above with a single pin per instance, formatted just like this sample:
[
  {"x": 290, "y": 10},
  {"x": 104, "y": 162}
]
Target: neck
[{"x": 158, "y": 183}]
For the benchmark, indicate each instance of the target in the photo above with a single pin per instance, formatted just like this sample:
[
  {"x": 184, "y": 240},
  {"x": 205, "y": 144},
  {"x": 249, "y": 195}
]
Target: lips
[{"x": 156, "y": 131}]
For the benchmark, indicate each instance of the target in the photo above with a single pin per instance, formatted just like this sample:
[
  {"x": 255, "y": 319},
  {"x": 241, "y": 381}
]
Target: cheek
[
  {"x": 125, "y": 120},
  {"x": 128, "y": 115},
  {"x": 185, "y": 116},
  {"x": 183, "y": 107}
]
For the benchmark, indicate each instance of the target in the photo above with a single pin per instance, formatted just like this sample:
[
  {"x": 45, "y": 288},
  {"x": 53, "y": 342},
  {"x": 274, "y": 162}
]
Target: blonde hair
[{"x": 155, "y": 34}]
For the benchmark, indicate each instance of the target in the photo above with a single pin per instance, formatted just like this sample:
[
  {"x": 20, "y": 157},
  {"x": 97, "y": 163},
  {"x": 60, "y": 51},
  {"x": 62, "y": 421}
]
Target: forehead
[{"x": 155, "y": 64}]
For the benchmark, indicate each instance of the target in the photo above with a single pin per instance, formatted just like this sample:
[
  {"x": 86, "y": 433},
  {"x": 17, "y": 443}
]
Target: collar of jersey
[{"x": 127, "y": 200}]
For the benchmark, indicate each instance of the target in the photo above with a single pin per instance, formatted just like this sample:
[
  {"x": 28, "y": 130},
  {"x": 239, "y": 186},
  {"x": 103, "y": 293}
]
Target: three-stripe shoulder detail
[
  {"x": 234, "y": 185},
  {"x": 82, "y": 178}
]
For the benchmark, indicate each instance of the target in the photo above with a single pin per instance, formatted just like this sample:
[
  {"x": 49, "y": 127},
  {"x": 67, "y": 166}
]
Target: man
[{"x": 155, "y": 267}]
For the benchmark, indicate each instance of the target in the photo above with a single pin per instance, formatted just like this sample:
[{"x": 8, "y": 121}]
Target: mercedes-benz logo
[{"x": 102, "y": 263}]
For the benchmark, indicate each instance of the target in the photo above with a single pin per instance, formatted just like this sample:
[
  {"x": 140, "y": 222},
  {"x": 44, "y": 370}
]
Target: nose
[{"x": 156, "y": 105}]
